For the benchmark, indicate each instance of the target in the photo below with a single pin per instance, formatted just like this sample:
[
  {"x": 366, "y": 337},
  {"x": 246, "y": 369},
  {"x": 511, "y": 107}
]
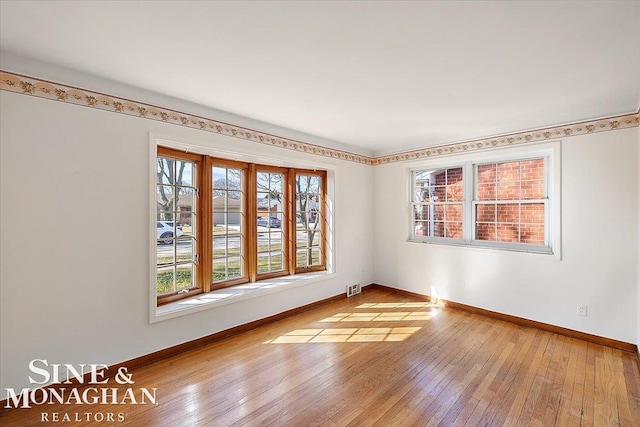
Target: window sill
[
  {"x": 536, "y": 250},
  {"x": 234, "y": 294}
]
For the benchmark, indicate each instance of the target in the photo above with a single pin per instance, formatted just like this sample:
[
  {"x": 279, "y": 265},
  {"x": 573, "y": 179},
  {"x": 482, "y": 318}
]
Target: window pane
[
  {"x": 276, "y": 262},
  {"x": 437, "y": 212},
  {"x": 439, "y": 193},
  {"x": 186, "y": 199},
  {"x": 315, "y": 238},
  {"x": 302, "y": 258},
  {"x": 486, "y": 173},
  {"x": 165, "y": 171},
  {"x": 486, "y": 191},
  {"x": 308, "y": 257},
  {"x": 453, "y": 212},
  {"x": 270, "y": 240},
  {"x": 186, "y": 221},
  {"x": 421, "y": 228},
  {"x": 301, "y": 239},
  {"x": 422, "y": 212},
  {"x": 314, "y": 184},
  {"x": 309, "y": 238},
  {"x": 508, "y": 213},
  {"x": 486, "y": 213},
  {"x": 235, "y": 195},
  {"x": 508, "y": 172},
  {"x": 486, "y": 232},
  {"x": 315, "y": 256},
  {"x": 184, "y": 249},
  {"x": 532, "y": 169},
  {"x": 438, "y": 229},
  {"x": 308, "y": 219},
  {"x": 234, "y": 245},
  {"x": 227, "y": 205},
  {"x": 184, "y": 277},
  {"x": 507, "y": 233},
  {"x": 219, "y": 175},
  {"x": 234, "y": 267},
  {"x": 165, "y": 198},
  {"x": 453, "y": 230},
  {"x": 532, "y": 213},
  {"x": 166, "y": 278},
  {"x": 165, "y": 255},
  {"x": 533, "y": 234},
  {"x": 454, "y": 184},
  {"x": 220, "y": 269},
  {"x": 270, "y": 262},
  {"x": 166, "y": 229},
  {"x": 184, "y": 173},
  {"x": 532, "y": 190},
  {"x": 508, "y": 191}
]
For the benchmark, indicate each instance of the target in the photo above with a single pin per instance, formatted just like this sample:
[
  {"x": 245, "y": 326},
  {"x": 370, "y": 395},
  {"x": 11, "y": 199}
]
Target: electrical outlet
[{"x": 581, "y": 310}]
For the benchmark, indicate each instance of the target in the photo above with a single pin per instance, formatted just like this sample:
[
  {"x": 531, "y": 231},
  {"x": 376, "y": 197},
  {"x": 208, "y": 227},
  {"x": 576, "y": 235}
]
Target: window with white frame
[{"x": 494, "y": 202}]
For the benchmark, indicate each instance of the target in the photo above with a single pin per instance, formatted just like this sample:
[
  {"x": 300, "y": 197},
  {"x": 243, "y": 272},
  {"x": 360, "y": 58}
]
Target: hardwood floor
[{"x": 380, "y": 359}]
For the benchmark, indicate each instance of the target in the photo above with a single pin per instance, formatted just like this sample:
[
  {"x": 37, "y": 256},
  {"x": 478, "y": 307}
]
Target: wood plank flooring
[{"x": 380, "y": 359}]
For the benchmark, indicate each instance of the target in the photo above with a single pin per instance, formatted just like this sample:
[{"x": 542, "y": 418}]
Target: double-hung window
[
  {"x": 223, "y": 223},
  {"x": 503, "y": 203}
]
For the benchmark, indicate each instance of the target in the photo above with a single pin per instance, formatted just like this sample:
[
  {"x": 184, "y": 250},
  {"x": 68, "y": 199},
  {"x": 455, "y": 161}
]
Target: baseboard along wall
[{"x": 200, "y": 342}]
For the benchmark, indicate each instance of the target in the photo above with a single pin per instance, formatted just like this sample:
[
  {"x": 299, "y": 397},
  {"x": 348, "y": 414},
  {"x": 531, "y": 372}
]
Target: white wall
[
  {"x": 74, "y": 250},
  {"x": 638, "y": 262},
  {"x": 599, "y": 247}
]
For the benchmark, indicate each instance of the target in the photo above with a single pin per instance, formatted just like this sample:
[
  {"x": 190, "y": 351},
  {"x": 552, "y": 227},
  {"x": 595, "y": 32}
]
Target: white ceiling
[{"x": 382, "y": 77}]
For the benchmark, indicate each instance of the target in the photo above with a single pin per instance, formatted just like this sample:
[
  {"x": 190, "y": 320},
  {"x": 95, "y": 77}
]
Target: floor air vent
[{"x": 353, "y": 289}]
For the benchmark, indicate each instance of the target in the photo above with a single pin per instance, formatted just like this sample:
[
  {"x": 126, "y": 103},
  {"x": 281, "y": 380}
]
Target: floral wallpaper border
[
  {"x": 43, "y": 89},
  {"x": 58, "y": 92},
  {"x": 581, "y": 128}
]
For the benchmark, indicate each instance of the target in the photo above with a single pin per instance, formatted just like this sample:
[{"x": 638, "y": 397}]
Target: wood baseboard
[
  {"x": 187, "y": 346},
  {"x": 621, "y": 345}
]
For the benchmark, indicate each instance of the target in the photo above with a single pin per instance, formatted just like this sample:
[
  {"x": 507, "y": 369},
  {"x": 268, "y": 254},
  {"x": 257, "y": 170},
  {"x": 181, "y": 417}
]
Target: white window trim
[
  {"x": 551, "y": 151},
  {"x": 233, "y": 294}
]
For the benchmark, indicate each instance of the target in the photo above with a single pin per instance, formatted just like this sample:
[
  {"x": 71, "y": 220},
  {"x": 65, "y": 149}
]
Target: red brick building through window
[{"x": 510, "y": 202}]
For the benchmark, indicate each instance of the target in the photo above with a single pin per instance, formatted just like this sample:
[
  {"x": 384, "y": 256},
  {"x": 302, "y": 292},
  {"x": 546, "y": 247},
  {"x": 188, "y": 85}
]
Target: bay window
[{"x": 223, "y": 223}]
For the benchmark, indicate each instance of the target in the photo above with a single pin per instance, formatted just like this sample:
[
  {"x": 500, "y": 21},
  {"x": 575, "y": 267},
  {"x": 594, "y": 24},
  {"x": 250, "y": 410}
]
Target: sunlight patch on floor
[
  {"x": 335, "y": 335},
  {"x": 396, "y": 316},
  {"x": 397, "y": 305}
]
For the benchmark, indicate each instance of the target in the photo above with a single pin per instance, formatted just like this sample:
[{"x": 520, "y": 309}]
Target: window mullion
[
  {"x": 252, "y": 220},
  {"x": 204, "y": 236},
  {"x": 290, "y": 215},
  {"x": 468, "y": 209}
]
